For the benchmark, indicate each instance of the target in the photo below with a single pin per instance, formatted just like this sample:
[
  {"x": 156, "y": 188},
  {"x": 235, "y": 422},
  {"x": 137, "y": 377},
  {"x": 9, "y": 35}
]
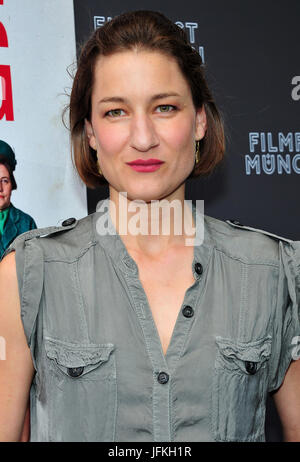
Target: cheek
[
  {"x": 110, "y": 138},
  {"x": 180, "y": 136}
]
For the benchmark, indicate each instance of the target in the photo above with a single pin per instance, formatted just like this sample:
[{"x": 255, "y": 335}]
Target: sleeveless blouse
[{"x": 101, "y": 374}]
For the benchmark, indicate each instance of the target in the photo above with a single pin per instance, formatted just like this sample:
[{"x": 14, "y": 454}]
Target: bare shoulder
[
  {"x": 9, "y": 295},
  {"x": 8, "y": 265},
  {"x": 16, "y": 369},
  {"x": 8, "y": 276},
  {"x": 11, "y": 326}
]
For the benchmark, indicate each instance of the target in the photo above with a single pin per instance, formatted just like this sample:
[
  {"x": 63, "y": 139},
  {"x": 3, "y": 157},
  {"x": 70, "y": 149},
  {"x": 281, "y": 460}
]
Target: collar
[
  {"x": 112, "y": 243},
  {"x": 14, "y": 213},
  {"x": 10, "y": 230},
  {"x": 6, "y": 209},
  {"x": 4, "y": 212}
]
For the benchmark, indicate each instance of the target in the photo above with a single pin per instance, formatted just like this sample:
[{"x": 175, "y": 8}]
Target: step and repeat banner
[
  {"x": 251, "y": 53},
  {"x": 37, "y": 46}
]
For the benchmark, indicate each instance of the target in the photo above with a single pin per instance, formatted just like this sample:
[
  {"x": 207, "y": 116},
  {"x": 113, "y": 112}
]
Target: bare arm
[
  {"x": 287, "y": 401},
  {"x": 16, "y": 370},
  {"x": 25, "y": 437}
]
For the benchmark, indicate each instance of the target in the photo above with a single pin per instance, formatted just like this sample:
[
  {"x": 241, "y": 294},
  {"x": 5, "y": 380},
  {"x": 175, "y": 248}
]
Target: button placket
[
  {"x": 162, "y": 407},
  {"x": 161, "y": 377}
]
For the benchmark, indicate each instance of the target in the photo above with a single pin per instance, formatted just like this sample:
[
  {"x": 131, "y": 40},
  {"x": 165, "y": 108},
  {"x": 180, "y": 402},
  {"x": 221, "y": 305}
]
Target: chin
[
  {"x": 140, "y": 197},
  {"x": 146, "y": 197},
  {"x": 146, "y": 191},
  {"x": 143, "y": 195}
]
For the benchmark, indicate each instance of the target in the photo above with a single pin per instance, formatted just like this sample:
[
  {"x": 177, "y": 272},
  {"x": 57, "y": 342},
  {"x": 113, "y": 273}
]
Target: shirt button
[
  {"x": 163, "y": 378},
  {"x": 198, "y": 268},
  {"x": 75, "y": 371},
  {"x": 188, "y": 311},
  {"x": 68, "y": 221},
  {"x": 251, "y": 367}
]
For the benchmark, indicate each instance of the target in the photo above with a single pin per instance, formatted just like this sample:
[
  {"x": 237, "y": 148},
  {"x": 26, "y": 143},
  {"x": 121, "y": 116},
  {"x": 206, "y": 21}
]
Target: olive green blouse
[{"x": 101, "y": 374}]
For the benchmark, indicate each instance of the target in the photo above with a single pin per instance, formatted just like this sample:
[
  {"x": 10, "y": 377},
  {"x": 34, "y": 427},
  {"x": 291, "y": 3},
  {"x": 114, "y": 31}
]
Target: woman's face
[
  {"x": 142, "y": 109},
  {"x": 5, "y": 187}
]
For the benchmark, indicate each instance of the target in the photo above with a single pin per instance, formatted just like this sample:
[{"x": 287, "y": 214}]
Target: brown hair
[
  {"x": 4, "y": 161},
  {"x": 152, "y": 31}
]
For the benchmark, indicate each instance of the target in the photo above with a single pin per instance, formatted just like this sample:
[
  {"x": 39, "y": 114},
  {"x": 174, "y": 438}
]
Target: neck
[
  {"x": 153, "y": 227},
  {"x": 4, "y": 208}
]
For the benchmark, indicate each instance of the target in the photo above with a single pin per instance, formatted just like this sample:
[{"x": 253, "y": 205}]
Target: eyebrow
[{"x": 119, "y": 99}]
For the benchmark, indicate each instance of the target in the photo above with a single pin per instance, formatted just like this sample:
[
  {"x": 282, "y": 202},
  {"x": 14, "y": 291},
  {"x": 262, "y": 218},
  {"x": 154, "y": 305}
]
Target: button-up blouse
[{"x": 101, "y": 374}]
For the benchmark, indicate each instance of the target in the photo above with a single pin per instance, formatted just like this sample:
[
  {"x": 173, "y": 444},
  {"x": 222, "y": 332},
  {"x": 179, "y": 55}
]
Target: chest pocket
[
  {"x": 240, "y": 389},
  {"x": 82, "y": 391}
]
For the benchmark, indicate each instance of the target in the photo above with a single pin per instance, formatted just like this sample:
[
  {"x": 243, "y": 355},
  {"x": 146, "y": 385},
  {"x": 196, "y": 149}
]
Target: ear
[
  {"x": 90, "y": 134},
  {"x": 201, "y": 123}
]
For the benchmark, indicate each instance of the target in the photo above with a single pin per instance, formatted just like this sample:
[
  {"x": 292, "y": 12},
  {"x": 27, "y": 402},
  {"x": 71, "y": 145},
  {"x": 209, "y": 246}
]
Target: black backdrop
[{"x": 251, "y": 52}]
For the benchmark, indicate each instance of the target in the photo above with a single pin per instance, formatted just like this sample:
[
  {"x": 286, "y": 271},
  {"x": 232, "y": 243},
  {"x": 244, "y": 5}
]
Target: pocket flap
[
  {"x": 240, "y": 353},
  {"x": 77, "y": 355}
]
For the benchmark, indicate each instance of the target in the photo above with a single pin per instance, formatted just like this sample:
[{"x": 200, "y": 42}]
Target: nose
[
  {"x": 143, "y": 135},
  {"x": 1, "y": 186}
]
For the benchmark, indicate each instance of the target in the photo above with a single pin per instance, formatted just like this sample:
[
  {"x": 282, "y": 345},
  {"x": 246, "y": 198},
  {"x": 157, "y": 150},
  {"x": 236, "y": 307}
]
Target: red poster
[
  {"x": 6, "y": 108},
  {"x": 3, "y": 36}
]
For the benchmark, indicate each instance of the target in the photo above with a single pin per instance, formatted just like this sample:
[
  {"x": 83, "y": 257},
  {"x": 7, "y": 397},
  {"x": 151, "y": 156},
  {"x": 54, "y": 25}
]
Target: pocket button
[
  {"x": 251, "y": 367},
  {"x": 75, "y": 371}
]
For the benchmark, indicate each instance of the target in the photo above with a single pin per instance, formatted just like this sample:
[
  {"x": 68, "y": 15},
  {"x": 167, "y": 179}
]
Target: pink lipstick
[{"x": 149, "y": 165}]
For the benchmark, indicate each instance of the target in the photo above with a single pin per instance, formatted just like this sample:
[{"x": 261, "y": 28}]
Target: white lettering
[
  {"x": 252, "y": 163},
  {"x": 296, "y": 89},
  {"x": 294, "y": 163},
  {"x": 253, "y": 140},
  {"x": 191, "y": 26},
  {"x": 286, "y": 141},
  {"x": 99, "y": 21},
  {"x": 284, "y": 163}
]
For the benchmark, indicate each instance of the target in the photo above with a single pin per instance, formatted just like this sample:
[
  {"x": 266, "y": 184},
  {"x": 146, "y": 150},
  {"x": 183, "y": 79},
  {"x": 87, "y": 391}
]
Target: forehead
[
  {"x": 138, "y": 73},
  {"x": 3, "y": 171}
]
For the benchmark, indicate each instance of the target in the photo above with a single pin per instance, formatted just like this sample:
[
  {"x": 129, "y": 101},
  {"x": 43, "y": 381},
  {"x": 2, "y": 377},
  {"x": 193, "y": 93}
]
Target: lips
[{"x": 145, "y": 162}]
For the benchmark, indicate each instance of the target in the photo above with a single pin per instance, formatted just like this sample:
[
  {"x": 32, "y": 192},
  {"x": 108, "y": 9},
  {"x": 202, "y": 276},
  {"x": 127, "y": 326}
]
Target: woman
[
  {"x": 12, "y": 220},
  {"x": 127, "y": 336}
]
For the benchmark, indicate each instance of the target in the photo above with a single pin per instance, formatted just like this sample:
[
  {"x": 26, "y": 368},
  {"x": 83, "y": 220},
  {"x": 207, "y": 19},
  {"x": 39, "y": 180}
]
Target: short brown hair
[
  {"x": 152, "y": 31},
  {"x": 5, "y": 162}
]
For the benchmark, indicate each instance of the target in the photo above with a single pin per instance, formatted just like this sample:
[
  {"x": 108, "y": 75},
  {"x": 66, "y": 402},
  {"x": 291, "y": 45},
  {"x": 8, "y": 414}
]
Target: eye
[
  {"x": 166, "y": 108},
  {"x": 114, "y": 113}
]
